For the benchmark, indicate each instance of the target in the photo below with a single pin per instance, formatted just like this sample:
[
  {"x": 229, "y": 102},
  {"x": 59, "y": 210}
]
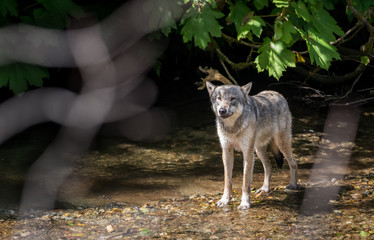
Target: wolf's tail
[{"x": 277, "y": 154}]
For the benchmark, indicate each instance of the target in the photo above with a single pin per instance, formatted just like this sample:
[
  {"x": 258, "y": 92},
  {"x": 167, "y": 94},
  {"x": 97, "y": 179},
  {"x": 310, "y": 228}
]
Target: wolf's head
[{"x": 228, "y": 100}]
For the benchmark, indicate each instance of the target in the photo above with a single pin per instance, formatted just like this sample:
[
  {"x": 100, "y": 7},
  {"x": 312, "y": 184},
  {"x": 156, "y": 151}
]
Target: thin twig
[
  {"x": 359, "y": 16},
  {"x": 227, "y": 72},
  {"x": 355, "y": 102},
  {"x": 353, "y": 85},
  {"x": 231, "y": 39},
  {"x": 238, "y": 66},
  {"x": 298, "y": 85},
  {"x": 365, "y": 89}
]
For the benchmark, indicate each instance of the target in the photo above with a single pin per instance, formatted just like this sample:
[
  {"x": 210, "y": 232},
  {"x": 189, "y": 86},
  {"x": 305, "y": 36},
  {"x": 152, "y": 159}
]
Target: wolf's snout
[{"x": 222, "y": 111}]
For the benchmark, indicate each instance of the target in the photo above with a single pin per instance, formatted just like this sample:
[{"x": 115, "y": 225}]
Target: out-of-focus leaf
[
  {"x": 8, "y": 7},
  {"x": 365, "y": 60},
  {"x": 260, "y": 4},
  {"x": 163, "y": 14},
  {"x": 62, "y": 10},
  {"x": 364, "y": 234},
  {"x": 281, "y": 3},
  {"x": 19, "y": 76}
]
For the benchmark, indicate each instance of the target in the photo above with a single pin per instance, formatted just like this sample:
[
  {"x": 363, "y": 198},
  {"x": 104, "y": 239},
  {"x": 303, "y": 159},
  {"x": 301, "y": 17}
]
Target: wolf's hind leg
[
  {"x": 283, "y": 141},
  {"x": 262, "y": 155}
]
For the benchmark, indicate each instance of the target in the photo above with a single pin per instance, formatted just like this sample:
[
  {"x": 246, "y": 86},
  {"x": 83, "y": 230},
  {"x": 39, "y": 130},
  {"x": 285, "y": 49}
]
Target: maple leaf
[
  {"x": 325, "y": 24},
  {"x": 284, "y": 30},
  {"x": 200, "y": 26},
  {"x": 274, "y": 57},
  {"x": 260, "y": 4},
  {"x": 318, "y": 18},
  {"x": 59, "y": 11},
  {"x": 8, "y": 7},
  {"x": 21, "y": 75},
  {"x": 245, "y": 22},
  {"x": 320, "y": 51}
]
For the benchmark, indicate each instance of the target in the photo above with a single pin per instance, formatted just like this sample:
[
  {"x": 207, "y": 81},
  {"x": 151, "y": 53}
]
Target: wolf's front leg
[
  {"x": 248, "y": 158},
  {"x": 228, "y": 163}
]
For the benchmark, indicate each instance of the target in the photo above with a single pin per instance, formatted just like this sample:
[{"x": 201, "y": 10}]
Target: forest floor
[{"x": 168, "y": 189}]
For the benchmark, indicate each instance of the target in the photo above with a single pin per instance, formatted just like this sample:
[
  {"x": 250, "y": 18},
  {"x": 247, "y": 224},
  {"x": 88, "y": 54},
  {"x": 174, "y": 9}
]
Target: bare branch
[
  {"x": 329, "y": 79},
  {"x": 351, "y": 33},
  {"x": 227, "y": 72},
  {"x": 213, "y": 75},
  {"x": 238, "y": 66},
  {"x": 359, "y": 16},
  {"x": 231, "y": 40}
]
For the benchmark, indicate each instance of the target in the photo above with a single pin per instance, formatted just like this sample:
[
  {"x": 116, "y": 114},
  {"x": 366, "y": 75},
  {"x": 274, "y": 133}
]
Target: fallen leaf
[
  {"x": 109, "y": 228},
  {"x": 364, "y": 234}
]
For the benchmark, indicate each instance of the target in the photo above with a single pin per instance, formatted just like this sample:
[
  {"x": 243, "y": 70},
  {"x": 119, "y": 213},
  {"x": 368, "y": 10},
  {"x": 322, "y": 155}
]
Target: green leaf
[
  {"x": 361, "y": 6},
  {"x": 200, "y": 26},
  {"x": 302, "y": 11},
  {"x": 274, "y": 57},
  {"x": 364, "y": 234},
  {"x": 281, "y": 3},
  {"x": 253, "y": 25},
  {"x": 8, "y": 7},
  {"x": 325, "y": 24},
  {"x": 365, "y": 60},
  {"x": 237, "y": 13},
  {"x": 260, "y": 4},
  {"x": 63, "y": 9},
  {"x": 283, "y": 30},
  {"x": 245, "y": 22},
  {"x": 21, "y": 75},
  {"x": 319, "y": 18},
  {"x": 44, "y": 18},
  {"x": 320, "y": 51}
]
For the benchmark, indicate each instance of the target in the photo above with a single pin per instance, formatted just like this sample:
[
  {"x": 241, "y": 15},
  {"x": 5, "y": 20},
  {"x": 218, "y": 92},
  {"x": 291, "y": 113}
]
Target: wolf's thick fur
[{"x": 248, "y": 124}]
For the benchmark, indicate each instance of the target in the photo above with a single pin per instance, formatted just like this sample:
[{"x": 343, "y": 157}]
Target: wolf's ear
[
  {"x": 246, "y": 88},
  {"x": 210, "y": 86}
]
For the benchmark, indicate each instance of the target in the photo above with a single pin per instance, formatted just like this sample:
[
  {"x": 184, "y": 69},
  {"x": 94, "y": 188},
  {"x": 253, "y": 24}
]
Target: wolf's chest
[
  {"x": 238, "y": 141},
  {"x": 244, "y": 139}
]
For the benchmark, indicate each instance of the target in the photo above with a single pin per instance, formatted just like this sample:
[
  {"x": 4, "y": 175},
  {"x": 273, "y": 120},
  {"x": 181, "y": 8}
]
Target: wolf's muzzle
[{"x": 223, "y": 113}]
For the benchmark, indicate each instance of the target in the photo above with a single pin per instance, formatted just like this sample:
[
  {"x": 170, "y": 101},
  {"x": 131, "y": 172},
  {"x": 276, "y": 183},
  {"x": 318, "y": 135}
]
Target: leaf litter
[{"x": 274, "y": 215}]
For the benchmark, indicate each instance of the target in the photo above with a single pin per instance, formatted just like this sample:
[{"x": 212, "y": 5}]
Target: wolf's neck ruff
[{"x": 230, "y": 124}]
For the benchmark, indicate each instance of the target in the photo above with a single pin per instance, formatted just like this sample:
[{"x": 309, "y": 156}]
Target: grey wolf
[{"x": 249, "y": 124}]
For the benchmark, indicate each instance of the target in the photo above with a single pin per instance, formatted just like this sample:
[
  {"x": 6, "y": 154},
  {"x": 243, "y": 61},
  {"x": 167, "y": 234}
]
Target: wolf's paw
[
  {"x": 244, "y": 206},
  {"x": 223, "y": 202},
  {"x": 294, "y": 187},
  {"x": 263, "y": 190}
]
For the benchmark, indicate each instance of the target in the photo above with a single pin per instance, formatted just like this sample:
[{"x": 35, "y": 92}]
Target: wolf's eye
[
  {"x": 232, "y": 99},
  {"x": 219, "y": 98}
]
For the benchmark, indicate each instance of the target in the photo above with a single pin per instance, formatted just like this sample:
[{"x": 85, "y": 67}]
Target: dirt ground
[{"x": 168, "y": 189}]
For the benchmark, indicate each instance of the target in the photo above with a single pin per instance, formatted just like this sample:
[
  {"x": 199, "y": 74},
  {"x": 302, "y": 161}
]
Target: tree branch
[
  {"x": 238, "y": 66},
  {"x": 328, "y": 79},
  {"x": 231, "y": 40},
  {"x": 227, "y": 72},
  {"x": 359, "y": 16},
  {"x": 213, "y": 75}
]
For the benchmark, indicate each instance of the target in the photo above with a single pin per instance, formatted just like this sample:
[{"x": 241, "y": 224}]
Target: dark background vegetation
[{"x": 176, "y": 71}]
